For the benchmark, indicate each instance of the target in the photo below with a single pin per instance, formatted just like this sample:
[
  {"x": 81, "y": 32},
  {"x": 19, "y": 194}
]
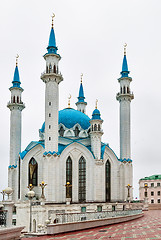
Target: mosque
[{"x": 69, "y": 157}]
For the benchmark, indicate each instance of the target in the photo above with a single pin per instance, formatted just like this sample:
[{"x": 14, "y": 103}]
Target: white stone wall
[
  {"x": 51, "y": 116},
  {"x": 125, "y": 148}
]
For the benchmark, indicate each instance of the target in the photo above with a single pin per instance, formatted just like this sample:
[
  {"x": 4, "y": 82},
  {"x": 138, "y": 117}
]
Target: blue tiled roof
[
  {"x": 69, "y": 117},
  {"x": 96, "y": 114}
]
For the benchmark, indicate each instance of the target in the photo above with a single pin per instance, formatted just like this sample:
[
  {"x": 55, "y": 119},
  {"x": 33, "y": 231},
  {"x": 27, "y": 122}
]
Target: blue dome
[
  {"x": 69, "y": 117},
  {"x": 96, "y": 114}
]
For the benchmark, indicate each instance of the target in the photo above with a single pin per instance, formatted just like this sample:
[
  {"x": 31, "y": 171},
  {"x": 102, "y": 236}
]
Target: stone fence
[{"x": 78, "y": 217}]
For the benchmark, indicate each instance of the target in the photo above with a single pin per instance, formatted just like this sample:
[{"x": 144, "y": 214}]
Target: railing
[
  {"x": 78, "y": 217},
  {"x": 3, "y": 217},
  {"x": 58, "y": 73}
]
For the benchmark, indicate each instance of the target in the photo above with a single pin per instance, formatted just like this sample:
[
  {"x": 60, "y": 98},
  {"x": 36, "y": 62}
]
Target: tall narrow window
[
  {"x": 124, "y": 90},
  {"x": 76, "y": 131},
  {"x": 50, "y": 68},
  {"x": 54, "y": 69},
  {"x": 99, "y": 128},
  {"x": 95, "y": 127},
  {"x": 46, "y": 69},
  {"x": 33, "y": 172},
  {"x": 61, "y": 131},
  {"x": 69, "y": 177},
  {"x": 108, "y": 180},
  {"x": 17, "y": 99},
  {"x": 14, "y": 99},
  {"x": 82, "y": 180}
]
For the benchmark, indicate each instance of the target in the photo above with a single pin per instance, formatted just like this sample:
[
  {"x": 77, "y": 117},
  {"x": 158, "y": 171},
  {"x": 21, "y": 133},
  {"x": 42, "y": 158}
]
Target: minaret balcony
[
  {"x": 124, "y": 95},
  {"x": 46, "y": 77},
  {"x": 20, "y": 105}
]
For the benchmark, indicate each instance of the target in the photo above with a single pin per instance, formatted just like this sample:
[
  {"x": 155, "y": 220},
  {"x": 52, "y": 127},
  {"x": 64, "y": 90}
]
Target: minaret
[
  {"x": 51, "y": 77},
  {"x": 16, "y": 106},
  {"x": 81, "y": 104},
  {"x": 124, "y": 97},
  {"x": 96, "y": 133}
]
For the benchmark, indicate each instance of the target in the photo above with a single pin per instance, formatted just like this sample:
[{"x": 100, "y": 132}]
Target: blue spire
[
  {"x": 125, "y": 71},
  {"x": 52, "y": 43},
  {"x": 81, "y": 93},
  {"x": 16, "y": 79}
]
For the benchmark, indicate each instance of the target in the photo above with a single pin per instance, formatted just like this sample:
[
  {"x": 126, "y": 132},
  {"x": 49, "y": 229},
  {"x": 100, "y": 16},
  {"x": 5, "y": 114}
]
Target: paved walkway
[{"x": 147, "y": 227}]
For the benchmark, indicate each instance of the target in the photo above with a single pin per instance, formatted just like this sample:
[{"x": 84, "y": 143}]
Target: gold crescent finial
[
  {"x": 52, "y": 20},
  {"x": 69, "y": 100},
  {"x": 17, "y": 59},
  {"x": 125, "y": 45},
  {"x": 81, "y": 77},
  {"x": 96, "y": 103}
]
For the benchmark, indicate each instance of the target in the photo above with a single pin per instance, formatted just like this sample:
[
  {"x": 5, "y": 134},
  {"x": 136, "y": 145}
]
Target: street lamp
[
  {"x": 3, "y": 194},
  {"x": 43, "y": 185},
  {"x": 30, "y": 195},
  {"x": 8, "y": 191},
  {"x": 128, "y": 193}
]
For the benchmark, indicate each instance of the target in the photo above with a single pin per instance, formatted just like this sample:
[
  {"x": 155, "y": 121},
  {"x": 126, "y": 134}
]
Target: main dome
[{"x": 69, "y": 117}]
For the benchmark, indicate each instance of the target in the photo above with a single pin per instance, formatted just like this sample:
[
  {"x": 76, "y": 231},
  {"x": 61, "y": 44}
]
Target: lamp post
[
  {"x": 68, "y": 185},
  {"x": 3, "y": 194},
  {"x": 43, "y": 185},
  {"x": 128, "y": 192},
  {"x": 30, "y": 195},
  {"x": 8, "y": 191}
]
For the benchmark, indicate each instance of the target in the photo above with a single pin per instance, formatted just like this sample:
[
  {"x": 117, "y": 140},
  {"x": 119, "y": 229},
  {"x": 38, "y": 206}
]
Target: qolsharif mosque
[{"x": 76, "y": 168}]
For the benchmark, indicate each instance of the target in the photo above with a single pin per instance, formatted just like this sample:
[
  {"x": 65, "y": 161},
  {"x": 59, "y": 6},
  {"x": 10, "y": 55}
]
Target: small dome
[
  {"x": 96, "y": 114},
  {"x": 69, "y": 117}
]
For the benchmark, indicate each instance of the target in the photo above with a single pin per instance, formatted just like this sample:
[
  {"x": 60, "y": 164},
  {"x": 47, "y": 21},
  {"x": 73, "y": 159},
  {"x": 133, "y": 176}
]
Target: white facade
[{"x": 69, "y": 150}]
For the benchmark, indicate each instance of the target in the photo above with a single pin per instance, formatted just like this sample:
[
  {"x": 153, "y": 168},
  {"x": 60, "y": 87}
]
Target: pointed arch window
[
  {"x": 69, "y": 176},
  {"x": 124, "y": 90},
  {"x": 14, "y": 99},
  {"x": 95, "y": 127},
  {"x": 82, "y": 180},
  {"x": 17, "y": 99},
  {"x": 61, "y": 131},
  {"x": 99, "y": 128},
  {"x": 54, "y": 69},
  {"x": 128, "y": 90},
  {"x": 108, "y": 180},
  {"x": 50, "y": 68},
  {"x": 76, "y": 131},
  {"x": 33, "y": 172}
]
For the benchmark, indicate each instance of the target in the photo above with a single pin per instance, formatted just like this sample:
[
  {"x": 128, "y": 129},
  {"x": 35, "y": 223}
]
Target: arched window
[
  {"x": 95, "y": 127},
  {"x": 14, "y": 99},
  {"x": 128, "y": 91},
  {"x": 50, "y": 67},
  {"x": 121, "y": 90},
  {"x": 124, "y": 90},
  {"x": 17, "y": 99},
  {"x": 82, "y": 180},
  {"x": 108, "y": 180},
  {"x": 33, "y": 172},
  {"x": 69, "y": 177},
  {"x": 46, "y": 69},
  {"x": 76, "y": 131},
  {"x": 99, "y": 128},
  {"x": 61, "y": 131},
  {"x": 92, "y": 127},
  {"x": 54, "y": 69}
]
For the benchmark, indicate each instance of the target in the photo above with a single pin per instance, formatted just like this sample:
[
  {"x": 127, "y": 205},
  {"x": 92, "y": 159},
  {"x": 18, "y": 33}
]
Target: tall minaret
[
  {"x": 124, "y": 97},
  {"x": 96, "y": 133},
  {"x": 52, "y": 77},
  {"x": 81, "y": 104},
  {"x": 16, "y": 106}
]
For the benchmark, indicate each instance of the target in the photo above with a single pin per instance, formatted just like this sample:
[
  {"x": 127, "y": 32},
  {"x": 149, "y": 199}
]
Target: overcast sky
[{"x": 90, "y": 36}]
